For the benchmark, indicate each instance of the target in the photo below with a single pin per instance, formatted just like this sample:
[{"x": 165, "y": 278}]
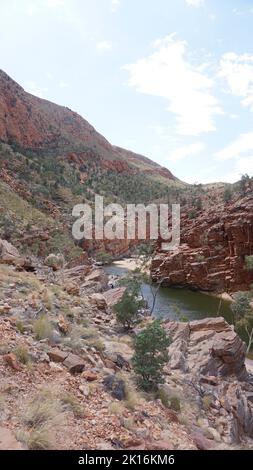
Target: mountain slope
[
  {"x": 51, "y": 159},
  {"x": 38, "y": 124}
]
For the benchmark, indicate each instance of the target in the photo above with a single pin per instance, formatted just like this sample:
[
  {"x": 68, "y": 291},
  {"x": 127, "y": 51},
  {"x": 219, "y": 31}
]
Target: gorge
[{"x": 64, "y": 355}]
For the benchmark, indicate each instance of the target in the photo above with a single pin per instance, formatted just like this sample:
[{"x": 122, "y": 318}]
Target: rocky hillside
[
  {"x": 37, "y": 124},
  {"x": 51, "y": 159},
  {"x": 214, "y": 244},
  {"x": 67, "y": 380}
]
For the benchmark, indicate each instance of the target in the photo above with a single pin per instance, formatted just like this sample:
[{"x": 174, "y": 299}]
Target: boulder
[
  {"x": 209, "y": 347},
  {"x": 74, "y": 363},
  {"x": 115, "y": 386},
  {"x": 10, "y": 255},
  {"x": 113, "y": 296},
  {"x": 98, "y": 300},
  {"x": 56, "y": 355},
  {"x": 12, "y": 361},
  {"x": 89, "y": 376},
  {"x": 117, "y": 352}
]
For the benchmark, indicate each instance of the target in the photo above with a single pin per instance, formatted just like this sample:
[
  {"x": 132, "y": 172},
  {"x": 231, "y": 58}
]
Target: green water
[{"x": 175, "y": 303}]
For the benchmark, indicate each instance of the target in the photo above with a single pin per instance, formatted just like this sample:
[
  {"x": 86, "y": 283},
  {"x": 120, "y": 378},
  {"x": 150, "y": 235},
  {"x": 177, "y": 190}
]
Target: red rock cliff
[{"x": 212, "y": 252}]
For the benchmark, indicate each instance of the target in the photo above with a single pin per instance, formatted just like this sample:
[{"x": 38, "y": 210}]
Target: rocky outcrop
[
  {"x": 208, "y": 347},
  {"x": 212, "y": 252},
  {"x": 9, "y": 254},
  {"x": 209, "y": 358}
]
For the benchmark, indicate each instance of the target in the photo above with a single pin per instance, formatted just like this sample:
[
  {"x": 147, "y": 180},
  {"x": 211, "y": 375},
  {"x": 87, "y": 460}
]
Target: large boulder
[
  {"x": 9, "y": 254},
  {"x": 113, "y": 296},
  {"x": 207, "y": 347}
]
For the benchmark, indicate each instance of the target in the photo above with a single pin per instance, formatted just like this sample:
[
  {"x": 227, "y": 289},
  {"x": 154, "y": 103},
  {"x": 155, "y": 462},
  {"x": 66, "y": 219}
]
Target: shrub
[
  {"x": 104, "y": 258},
  {"x": 227, "y": 196},
  {"x": 207, "y": 401},
  {"x": 243, "y": 316},
  {"x": 150, "y": 355},
  {"x": 72, "y": 403},
  {"x": 42, "y": 328},
  {"x": 126, "y": 310},
  {"x": 22, "y": 354},
  {"x": 20, "y": 326},
  {"x": 175, "y": 403},
  {"x": 249, "y": 262}
]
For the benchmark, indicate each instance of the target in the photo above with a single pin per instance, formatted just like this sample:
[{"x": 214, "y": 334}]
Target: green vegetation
[
  {"x": 126, "y": 310},
  {"x": 243, "y": 316},
  {"x": 150, "y": 355},
  {"x": 104, "y": 258},
  {"x": 249, "y": 262},
  {"x": 42, "y": 328},
  {"x": 227, "y": 195},
  {"x": 22, "y": 354}
]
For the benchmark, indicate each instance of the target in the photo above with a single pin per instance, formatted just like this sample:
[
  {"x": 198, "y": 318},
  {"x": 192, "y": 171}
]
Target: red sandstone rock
[
  {"x": 56, "y": 355},
  {"x": 9, "y": 254},
  {"x": 12, "y": 361},
  {"x": 74, "y": 363},
  {"x": 113, "y": 296},
  {"x": 89, "y": 376},
  {"x": 208, "y": 347},
  {"x": 212, "y": 252}
]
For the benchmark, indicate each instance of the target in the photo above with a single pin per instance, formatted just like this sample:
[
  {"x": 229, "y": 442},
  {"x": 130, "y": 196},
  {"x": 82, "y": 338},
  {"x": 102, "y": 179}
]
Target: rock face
[
  {"x": 210, "y": 360},
  {"x": 212, "y": 252},
  {"x": 9, "y": 254},
  {"x": 208, "y": 347}
]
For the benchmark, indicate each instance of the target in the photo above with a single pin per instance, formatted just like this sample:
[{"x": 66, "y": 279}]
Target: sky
[{"x": 170, "y": 79}]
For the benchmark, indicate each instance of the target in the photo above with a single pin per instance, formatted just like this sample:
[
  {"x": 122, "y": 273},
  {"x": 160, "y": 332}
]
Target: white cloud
[
  {"x": 169, "y": 74},
  {"x": 195, "y": 3},
  {"x": 239, "y": 147},
  {"x": 115, "y": 5},
  {"x": 35, "y": 89},
  {"x": 63, "y": 85},
  {"x": 54, "y": 3},
  {"x": 104, "y": 46},
  {"x": 237, "y": 71},
  {"x": 241, "y": 166},
  {"x": 186, "y": 151}
]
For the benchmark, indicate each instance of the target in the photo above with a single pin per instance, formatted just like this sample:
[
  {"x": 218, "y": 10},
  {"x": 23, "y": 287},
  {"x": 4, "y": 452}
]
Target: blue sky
[{"x": 171, "y": 79}]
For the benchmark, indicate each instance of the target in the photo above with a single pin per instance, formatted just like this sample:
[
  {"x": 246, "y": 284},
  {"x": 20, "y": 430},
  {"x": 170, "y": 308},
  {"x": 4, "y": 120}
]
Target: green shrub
[
  {"x": 126, "y": 310},
  {"x": 150, "y": 355},
  {"x": 42, "y": 328}
]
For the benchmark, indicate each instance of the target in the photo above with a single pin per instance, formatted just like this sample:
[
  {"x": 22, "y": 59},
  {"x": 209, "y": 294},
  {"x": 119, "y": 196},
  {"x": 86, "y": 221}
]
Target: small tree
[
  {"x": 249, "y": 262},
  {"x": 243, "y": 316},
  {"x": 150, "y": 355},
  {"x": 126, "y": 310},
  {"x": 227, "y": 196},
  {"x": 132, "y": 282},
  {"x": 104, "y": 258}
]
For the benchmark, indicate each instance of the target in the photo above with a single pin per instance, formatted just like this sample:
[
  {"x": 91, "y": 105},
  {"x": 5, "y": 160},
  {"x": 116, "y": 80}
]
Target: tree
[
  {"x": 243, "y": 183},
  {"x": 126, "y": 310},
  {"x": 243, "y": 316},
  {"x": 132, "y": 282},
  {"x": 249, "y": 262},
  {"x": 104, "y": 258},
  {"x": 227, "y": 196},
  {"x": 150, "y": 355}
]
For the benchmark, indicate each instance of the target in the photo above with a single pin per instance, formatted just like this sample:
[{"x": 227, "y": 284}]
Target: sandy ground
[{"x": 129, "y": 263}]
